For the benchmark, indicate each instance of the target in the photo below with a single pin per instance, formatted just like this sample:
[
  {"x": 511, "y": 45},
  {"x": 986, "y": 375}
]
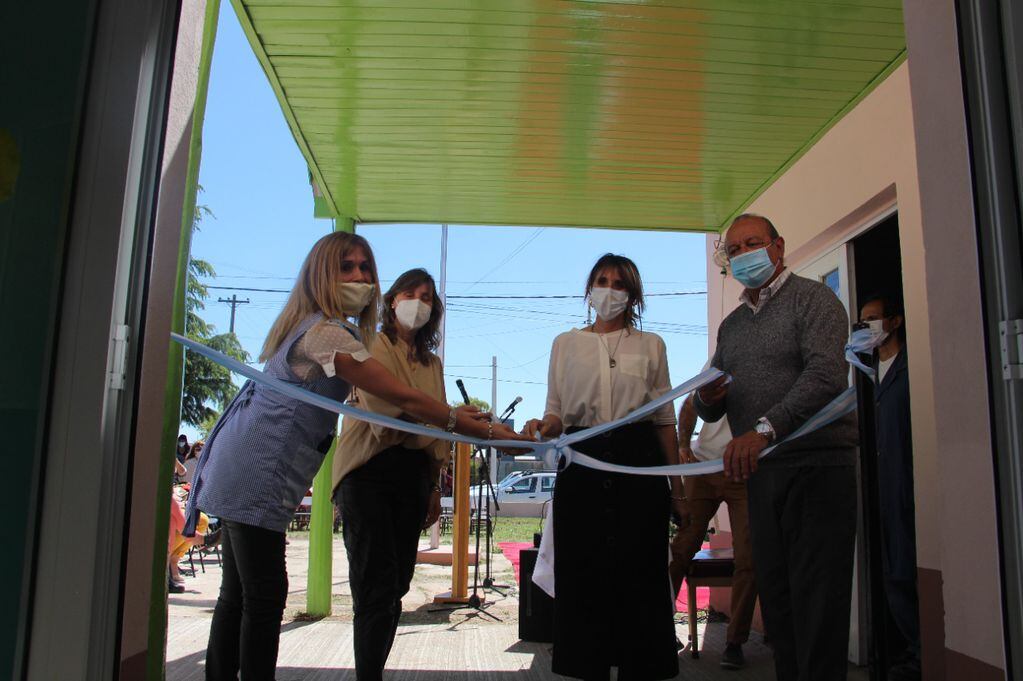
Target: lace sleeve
[{"x": 325, "y": 340}]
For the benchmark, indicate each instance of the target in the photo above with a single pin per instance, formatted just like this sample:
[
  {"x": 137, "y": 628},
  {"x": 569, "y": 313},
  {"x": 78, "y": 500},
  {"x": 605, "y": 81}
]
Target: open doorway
[
  {"x": 876, "y": 262},
  {"x": 856, "y": 270}
]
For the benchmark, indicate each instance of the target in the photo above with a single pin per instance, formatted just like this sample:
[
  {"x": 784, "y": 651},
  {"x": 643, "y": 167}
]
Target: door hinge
[
  {"x": 1011, "y": 340},
  {"x": 119, "y": 357}
]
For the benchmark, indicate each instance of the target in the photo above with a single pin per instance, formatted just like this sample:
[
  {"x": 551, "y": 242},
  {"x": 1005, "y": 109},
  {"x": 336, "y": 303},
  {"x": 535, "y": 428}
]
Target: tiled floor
[{"x": 430, "y": 646}]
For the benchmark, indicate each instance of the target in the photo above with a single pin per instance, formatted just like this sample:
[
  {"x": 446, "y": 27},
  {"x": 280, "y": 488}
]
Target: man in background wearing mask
[
  {"x": 883, "y": 315},
  {"x": 704, "y": 494},
  {"x": 783, "y": 350}
]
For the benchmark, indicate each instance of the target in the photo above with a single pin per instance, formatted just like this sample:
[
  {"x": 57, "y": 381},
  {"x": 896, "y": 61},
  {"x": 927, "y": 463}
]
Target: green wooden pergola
[{"x": 629, "y": 114}]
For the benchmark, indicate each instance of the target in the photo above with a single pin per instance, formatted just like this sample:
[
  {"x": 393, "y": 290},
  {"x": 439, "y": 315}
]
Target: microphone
[
  {"x": 511, "y": 407},
  {"x": 461, "y": 389}
]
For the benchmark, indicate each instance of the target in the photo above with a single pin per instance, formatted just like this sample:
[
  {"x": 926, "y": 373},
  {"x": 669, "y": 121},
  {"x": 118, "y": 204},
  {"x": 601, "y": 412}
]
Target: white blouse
[
  {"x": 312, "y": 357},
  {"x": 584, "y": 389}
]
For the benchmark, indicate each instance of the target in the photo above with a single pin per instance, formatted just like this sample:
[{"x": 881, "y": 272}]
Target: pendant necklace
[{"x": 611, "y": 355}]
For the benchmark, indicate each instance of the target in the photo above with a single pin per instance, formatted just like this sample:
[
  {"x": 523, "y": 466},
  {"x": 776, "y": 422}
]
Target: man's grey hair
[{"x": 753, "y": 216}]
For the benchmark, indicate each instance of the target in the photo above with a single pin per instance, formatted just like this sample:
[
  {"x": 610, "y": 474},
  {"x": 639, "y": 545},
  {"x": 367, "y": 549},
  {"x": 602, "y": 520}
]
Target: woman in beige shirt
[
  {"x": 386, "y": 482},
  {"x": 613, "y": 601}
]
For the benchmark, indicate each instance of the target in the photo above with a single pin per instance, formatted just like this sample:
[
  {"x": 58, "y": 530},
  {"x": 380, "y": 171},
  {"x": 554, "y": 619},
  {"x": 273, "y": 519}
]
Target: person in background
[
  {"x": 265, "y": 449},
  {"x": 783, "y": 347},
  {"x": 884, "y": 314},
  {"x": 191, "y": 460},
  {"x": 386, "y": 482},
  {"x": 609, "y": 528},
  {"x": 182, "y": 449},
  {"x": 704, "y": 494},
  {"x": 179, "y": 544}
]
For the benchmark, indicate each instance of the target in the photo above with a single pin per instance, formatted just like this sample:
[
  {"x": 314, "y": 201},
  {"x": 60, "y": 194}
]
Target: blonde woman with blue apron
[{"x": 263, "y": 453}]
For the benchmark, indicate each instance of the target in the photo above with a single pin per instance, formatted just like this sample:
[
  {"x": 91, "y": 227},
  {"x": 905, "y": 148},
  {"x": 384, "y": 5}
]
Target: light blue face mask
[
  {"x": 865, "y": 337},
  {"x": 753, "y": 269}
]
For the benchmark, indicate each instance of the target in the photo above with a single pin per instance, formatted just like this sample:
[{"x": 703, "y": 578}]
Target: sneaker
[
  {"x": 175, "y": 588},
  {"x": 733, "y": 658}
]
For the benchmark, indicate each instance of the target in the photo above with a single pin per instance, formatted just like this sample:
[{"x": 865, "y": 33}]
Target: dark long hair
[
  {"x": 427, "y": 339},
  {"x": 631, "y": 279}
]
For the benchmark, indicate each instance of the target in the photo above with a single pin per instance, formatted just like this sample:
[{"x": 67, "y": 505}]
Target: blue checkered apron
[{"x": 262, "y": 455}]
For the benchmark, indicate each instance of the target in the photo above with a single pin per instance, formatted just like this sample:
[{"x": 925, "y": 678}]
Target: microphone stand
[
  {"x": 488, "y": 580},
  {"x": 475, "y": 602}
]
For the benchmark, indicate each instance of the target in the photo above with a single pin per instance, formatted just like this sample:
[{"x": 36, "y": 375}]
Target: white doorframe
[
  {"x": 835, "y": 269},
  {"x": 75, "y": 613}
]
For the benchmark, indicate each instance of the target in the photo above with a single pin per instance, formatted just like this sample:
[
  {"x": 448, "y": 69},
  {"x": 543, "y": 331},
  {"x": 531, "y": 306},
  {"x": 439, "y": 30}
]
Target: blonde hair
[{"x": 314, "y": 291}]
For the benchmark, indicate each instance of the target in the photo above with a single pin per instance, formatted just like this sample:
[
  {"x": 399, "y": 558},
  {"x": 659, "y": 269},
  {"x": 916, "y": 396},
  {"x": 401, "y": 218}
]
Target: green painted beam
[
  {"x": 671, "y": 115},
  {"x": 321, "y": 522}
]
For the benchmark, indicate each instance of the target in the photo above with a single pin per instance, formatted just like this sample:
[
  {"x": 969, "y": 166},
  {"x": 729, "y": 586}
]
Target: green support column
[
  {"x": 321, "y": 523},
  {"x": 155, "y": 663}
]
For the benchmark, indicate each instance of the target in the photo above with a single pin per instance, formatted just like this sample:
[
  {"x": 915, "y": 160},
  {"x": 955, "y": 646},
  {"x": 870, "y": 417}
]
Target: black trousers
[
  {"x": 613, "y": 605},
  {"x": 383, "y": 505},
  {"x": 246, "y": 628},
  {"x": 803, "y": 522}
]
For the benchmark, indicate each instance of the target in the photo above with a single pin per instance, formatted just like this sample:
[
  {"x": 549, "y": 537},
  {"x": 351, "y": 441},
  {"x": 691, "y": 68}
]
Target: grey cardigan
[{"x": 787, "y": 362}]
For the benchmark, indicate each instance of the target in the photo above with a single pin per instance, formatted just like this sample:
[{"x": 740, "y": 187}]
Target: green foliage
[
  {"x": 206, "y": 427},
  {"x": 206, "y": 383},
  {"x": 475, "y": 402}
]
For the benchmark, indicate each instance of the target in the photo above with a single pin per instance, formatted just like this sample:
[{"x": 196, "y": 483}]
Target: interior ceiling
[{"x": 671, "y": 114}]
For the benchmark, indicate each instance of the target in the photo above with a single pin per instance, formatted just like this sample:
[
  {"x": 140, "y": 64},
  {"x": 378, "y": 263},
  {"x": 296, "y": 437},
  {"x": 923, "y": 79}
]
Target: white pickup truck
[{"x": 522, "y": 494}]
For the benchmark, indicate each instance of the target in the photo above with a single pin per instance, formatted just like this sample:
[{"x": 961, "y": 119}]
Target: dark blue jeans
[{"x": 246, "y": 625}]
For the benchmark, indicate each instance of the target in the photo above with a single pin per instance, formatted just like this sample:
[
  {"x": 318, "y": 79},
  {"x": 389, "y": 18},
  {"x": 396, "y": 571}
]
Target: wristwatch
[{"x": 765, "y": 428}]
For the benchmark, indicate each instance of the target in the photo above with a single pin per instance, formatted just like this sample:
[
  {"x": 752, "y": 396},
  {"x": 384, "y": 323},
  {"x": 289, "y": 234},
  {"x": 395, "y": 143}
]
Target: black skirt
[{"x": 613, "y": 599}]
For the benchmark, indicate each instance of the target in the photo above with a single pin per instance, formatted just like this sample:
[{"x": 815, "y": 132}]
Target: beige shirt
[
  {"x": 583, "y": 389},
  {"x": 360, "y": 441}
]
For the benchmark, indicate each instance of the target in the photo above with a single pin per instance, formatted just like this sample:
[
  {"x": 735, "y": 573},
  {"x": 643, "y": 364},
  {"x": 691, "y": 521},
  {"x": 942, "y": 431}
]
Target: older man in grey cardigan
[{"x": 783, "y": 349}]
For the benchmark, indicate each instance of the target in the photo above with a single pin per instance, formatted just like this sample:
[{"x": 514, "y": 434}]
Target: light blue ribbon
[
  {"x": 560, "y": 447},
  {"x": 301, "y": 394},
  {"x": 836, "y": 409}
]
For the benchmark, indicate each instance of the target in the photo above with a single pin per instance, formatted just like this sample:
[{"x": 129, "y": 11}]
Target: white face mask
[
  {"x": 876, "y": 327},
  {"x": 412, "y": 313},
  {"x": 608, "y": 303},
  {"x": 865, "y": 337},
  {"x": 354, "y": 297}
]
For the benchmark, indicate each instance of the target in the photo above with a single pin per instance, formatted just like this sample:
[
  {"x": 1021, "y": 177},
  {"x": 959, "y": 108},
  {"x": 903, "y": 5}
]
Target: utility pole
[
  {"x": 493, "y": 401},
  {"x": 435, "y": 530},
  {"x": 234, "y": 303},
  {"x": 443, "y": 289}
]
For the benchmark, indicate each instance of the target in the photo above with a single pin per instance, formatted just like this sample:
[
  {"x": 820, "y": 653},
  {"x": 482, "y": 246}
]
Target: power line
[
  {"x": 479, "y": 297},
  {"x": 244, "y": 288},
  {"x": 566, "y": 297},
  {"x": 532, "y": 237},
  {"x": 504, "y": 380}
]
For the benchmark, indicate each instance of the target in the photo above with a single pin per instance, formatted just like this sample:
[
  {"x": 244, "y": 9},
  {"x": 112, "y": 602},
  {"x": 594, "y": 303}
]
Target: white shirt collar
[{"x": 766, "y": 293}]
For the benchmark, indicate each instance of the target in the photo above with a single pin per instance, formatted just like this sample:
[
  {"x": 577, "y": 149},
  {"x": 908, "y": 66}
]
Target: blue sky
[{"x": 256, "y": 183}]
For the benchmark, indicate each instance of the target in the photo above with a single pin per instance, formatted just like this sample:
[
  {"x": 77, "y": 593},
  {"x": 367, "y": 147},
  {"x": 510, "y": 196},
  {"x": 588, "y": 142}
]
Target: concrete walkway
[{"x": 459, "y": 645}]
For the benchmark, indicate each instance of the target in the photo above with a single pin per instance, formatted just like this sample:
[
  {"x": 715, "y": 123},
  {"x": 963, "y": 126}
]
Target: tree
[
  {"x": 475, "y": 402},
  {"x": 206, "y": 383},
  {"x": 206, "y": 427}
]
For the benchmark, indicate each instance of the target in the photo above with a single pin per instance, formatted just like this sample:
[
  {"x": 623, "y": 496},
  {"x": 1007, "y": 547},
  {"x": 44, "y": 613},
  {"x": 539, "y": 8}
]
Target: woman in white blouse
[{"x": 614, "y": 603}]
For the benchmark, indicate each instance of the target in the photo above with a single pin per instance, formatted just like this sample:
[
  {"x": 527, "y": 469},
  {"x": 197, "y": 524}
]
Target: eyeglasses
[{"x": 753, "y": 243}]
